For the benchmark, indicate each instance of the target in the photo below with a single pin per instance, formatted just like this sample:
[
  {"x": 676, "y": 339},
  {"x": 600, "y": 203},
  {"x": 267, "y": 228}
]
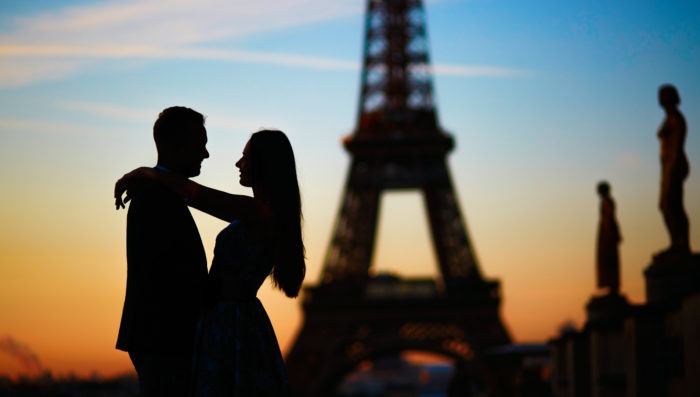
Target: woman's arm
[{"x": 222, "y": 205}]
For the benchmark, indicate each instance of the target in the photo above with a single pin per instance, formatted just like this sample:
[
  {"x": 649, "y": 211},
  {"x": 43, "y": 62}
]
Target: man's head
[{"x": 181, "y": 140}]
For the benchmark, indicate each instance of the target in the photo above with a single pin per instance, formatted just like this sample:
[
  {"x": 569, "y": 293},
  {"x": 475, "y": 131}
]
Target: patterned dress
[{"x": 236, "y": 352}]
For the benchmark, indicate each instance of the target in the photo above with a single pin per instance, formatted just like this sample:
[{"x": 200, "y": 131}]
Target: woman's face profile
[{"x": 245, "y": 167}]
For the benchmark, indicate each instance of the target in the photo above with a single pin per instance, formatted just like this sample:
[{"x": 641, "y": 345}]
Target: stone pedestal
[
  {"x": 691, "y": 343},
  {"x": 606, "y": 309},
  {"x": 571, "y": 358},
  {"x": 670, "y": 278},
  {"x": 605, "y": 327},
  {"x": 645, "y": 374}
]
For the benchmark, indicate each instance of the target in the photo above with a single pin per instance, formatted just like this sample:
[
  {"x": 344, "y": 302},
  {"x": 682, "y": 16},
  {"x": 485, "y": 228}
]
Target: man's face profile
[
  {"x": 192, "y": 151},
  {"x": 187, "y": 152}
]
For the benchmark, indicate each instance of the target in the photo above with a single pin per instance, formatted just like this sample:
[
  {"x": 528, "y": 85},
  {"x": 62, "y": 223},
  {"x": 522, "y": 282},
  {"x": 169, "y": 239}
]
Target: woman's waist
[{"x": 238, "y": 296}]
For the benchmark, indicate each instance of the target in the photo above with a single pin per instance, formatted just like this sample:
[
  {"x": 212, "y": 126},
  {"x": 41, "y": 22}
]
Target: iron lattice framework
[{"x": 397, "y": 144}]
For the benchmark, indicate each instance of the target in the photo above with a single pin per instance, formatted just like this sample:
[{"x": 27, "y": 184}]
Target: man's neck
[{"x": 170, "y": 167}]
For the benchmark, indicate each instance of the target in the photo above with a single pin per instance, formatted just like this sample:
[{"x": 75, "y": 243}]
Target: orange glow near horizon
[
  {"x": 70, "y": 308},
  {"x": 80, "y": 341}
]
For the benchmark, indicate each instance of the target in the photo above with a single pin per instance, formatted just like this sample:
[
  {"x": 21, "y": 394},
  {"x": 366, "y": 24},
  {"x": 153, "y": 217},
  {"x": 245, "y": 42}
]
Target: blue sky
[{"x": 544, "y": 98}]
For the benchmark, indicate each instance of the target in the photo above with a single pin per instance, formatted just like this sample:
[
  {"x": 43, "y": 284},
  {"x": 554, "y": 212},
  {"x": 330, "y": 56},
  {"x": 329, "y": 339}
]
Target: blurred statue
[
  {"x": 674, "y": 171},
  {"x": 609, "y": 238}
]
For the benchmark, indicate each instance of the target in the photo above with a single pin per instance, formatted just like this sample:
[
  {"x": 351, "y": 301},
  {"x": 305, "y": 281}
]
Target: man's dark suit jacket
[{"x": 166, "y": 274}]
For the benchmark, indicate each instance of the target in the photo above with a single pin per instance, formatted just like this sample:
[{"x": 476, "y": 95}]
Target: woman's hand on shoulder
[{"x": 126, "y": 182}]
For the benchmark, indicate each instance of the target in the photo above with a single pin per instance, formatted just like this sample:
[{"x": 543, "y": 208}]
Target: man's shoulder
[
  {"x": 150, "y": 189},
  {"x": 149, "y": 194}
]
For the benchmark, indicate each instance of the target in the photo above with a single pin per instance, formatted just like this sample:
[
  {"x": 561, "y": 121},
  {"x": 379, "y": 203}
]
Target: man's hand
[{"x": 120, "y": 188}]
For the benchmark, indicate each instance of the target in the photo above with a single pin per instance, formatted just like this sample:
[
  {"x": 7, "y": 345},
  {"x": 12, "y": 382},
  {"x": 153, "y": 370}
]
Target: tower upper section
[{"x": 396, "y": 97}]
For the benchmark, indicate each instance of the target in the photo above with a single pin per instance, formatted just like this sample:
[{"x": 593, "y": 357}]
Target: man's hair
[{"x": 174, "y": 123}]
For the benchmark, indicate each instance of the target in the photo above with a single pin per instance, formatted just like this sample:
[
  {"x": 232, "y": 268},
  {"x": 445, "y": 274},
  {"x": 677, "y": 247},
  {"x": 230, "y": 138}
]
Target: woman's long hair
[{"x": 274, "y": 171}]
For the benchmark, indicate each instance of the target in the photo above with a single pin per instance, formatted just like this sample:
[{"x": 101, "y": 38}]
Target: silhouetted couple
[{"x": 190, "y": 332}]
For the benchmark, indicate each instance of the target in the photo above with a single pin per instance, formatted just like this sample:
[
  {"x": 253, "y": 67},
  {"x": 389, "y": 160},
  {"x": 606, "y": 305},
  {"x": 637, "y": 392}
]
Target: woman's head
[
  {"x": 268, "y": 166},
  {"x": 603, "y": 188}
]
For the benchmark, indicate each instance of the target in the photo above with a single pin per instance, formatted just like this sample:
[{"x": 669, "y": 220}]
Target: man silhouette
[{"x": 166, "y": 263}]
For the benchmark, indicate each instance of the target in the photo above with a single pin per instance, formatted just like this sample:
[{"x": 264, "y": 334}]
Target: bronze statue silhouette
[
  {"x": 609, "y": 238},
  {"x": 674, "y": 171}
]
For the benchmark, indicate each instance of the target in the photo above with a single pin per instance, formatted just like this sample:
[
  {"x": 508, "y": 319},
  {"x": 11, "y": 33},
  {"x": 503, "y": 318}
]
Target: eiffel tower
[{"x": 397, "y": 144}]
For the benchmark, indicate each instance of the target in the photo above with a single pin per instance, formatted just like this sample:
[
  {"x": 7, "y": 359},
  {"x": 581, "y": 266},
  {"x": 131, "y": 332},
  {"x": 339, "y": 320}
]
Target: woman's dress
[{"x": 237, "y": 353}]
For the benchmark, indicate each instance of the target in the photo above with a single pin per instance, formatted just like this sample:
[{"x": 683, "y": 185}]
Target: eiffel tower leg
[
  {"x": 454, "y": 251},
  {"x": 322, "y": 353},
  {"x": 350, "y": 252}
]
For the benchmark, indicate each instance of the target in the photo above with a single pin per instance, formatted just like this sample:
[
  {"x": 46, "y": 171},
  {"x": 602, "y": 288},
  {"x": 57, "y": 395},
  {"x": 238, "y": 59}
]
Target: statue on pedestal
[
  {"x": 674, "y": 272},
  {"x": 674, "y": 171},
  {"x": 609, "y": 238}
]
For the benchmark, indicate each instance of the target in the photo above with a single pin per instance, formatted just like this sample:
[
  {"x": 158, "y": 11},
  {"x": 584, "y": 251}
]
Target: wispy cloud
[
  {"x": 62, "y": 43},
  {"x": 147, "y": 52},
  {"x": 19, "y": 125},
  {"x": 108, "y": 111},
  {"x": 116, "y": 112},
  {"x": 171, "y": 23},
  {"x": 112, "y": 115},
  {"x": 476, "y": 71},
  {"x": 18, "y": 71}
]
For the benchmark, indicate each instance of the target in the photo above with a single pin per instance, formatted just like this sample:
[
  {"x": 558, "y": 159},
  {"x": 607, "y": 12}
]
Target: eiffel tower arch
[{"x": 397, "y": 144}]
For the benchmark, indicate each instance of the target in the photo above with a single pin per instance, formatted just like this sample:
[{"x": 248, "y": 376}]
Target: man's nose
[{"x": 206, "y": 154}]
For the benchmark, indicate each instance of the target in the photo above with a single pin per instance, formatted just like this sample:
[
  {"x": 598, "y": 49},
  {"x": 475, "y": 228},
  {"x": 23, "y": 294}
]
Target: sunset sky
[{"x": 544, "y": 99}]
